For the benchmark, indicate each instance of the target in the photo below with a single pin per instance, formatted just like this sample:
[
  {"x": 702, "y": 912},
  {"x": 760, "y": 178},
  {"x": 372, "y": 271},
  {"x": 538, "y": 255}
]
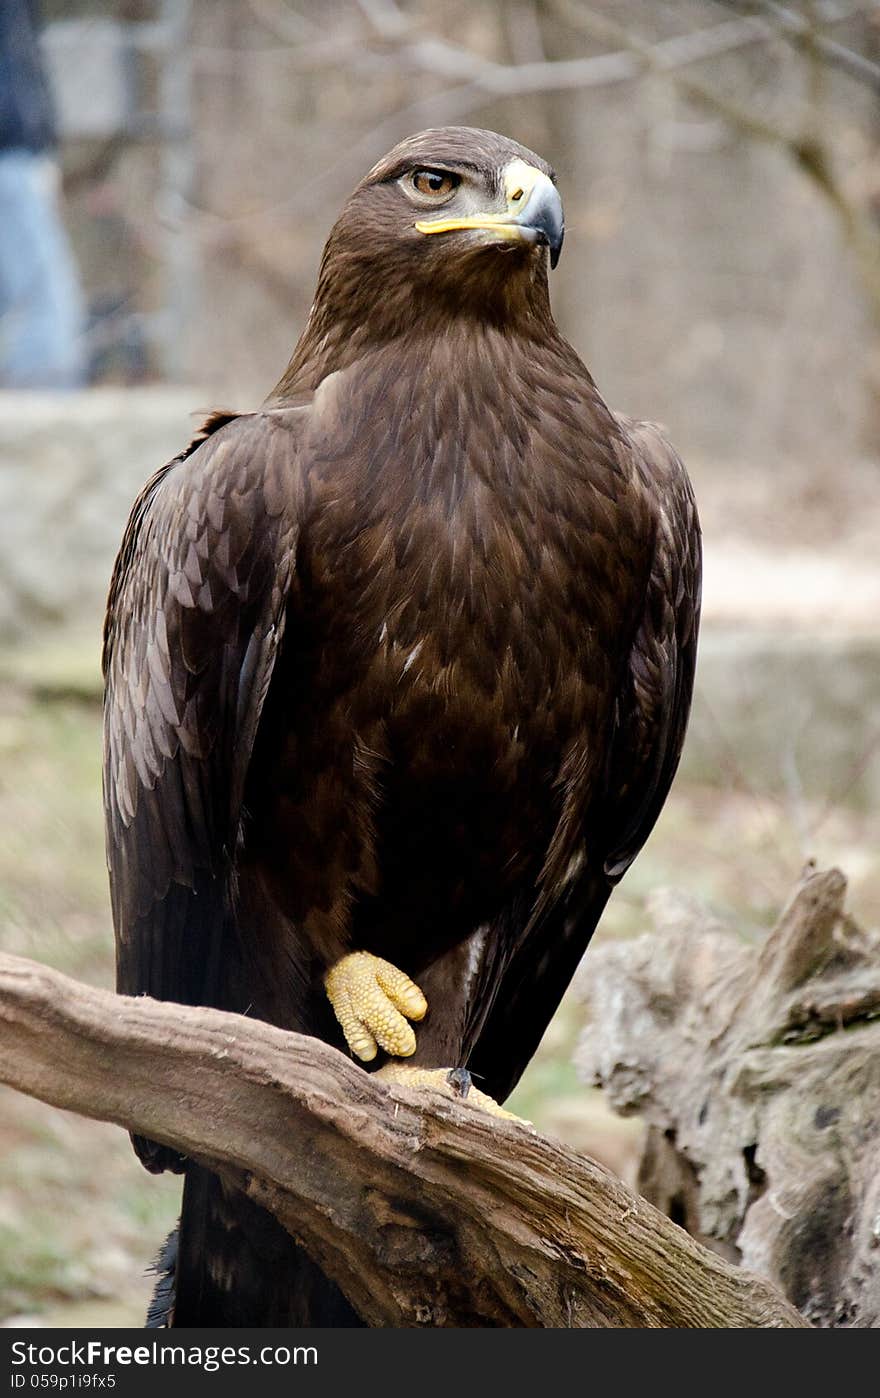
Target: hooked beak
[{"x": 533, "y": 214}]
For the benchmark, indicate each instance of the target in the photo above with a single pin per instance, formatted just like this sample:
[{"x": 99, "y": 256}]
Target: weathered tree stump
[
  {"x": 758, "y": 1072},
  {"x": 424, "y": 1209}
]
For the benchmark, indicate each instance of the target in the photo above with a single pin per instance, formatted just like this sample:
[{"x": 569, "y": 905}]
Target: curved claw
[
  {"x": 448, "y": 1082},
  {"x": 373, "y": 1001}
]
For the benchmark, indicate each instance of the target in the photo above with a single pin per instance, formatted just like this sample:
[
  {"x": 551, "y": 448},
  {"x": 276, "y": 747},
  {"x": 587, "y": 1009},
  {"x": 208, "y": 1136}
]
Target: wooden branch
[
  {"x": 423, "y": 1209},
  {"x": 758, "y": 1070}
]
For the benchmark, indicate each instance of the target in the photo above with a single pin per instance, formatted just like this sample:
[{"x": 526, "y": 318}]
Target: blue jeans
[{"x": 42, "y": 314}]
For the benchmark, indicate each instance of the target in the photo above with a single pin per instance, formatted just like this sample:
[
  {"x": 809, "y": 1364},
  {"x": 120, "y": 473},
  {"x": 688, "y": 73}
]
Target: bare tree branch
[
  {"x": 424, "y": 1210},
  {"x": 804, "y": 30},
  {"x": 484, "y": 81},
  {"x": 399, "y": 44},
  {"x": 804, "y": 148}
]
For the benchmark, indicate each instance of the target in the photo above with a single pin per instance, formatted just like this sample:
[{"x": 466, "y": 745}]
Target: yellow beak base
[{"x": 533, "y": 214}]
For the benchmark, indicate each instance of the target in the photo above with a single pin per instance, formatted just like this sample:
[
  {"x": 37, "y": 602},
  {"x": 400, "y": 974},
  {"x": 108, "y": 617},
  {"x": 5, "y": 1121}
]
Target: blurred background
[{"x": 169, "y": 170}]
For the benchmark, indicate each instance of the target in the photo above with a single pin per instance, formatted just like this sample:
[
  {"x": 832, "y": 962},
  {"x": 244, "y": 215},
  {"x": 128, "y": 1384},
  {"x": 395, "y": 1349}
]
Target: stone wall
[{"x": 70, "y": 468}]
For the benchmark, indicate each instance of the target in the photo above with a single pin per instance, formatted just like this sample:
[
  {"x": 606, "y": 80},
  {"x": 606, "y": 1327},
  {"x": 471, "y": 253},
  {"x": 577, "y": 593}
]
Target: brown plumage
[{"x": 400, "y": 663}]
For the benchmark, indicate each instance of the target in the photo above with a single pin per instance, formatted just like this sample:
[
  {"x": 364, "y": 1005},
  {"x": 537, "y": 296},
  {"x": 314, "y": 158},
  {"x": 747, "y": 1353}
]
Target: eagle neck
[
  {"x": 340, "y": 332},
  {"x": 457, "y": 366}
]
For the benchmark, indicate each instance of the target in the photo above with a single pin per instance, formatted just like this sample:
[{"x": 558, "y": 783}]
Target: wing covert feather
[
  {"x": 655, "y": 701},
  {"x": 194, "y": 620}
]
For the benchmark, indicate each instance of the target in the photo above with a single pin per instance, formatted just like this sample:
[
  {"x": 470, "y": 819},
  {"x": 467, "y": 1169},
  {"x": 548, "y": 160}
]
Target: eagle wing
[
  {"x": 655, "y": 701},
  {"x": 647, "y": 738},
  {"x": 194, "y": 620}
]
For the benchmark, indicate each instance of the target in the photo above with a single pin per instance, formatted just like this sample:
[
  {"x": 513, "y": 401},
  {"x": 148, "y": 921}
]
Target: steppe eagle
[{"x": 398, "y": 669}]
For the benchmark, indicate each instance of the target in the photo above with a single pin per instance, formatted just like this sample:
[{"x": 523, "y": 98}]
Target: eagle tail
[
  {"x": 162, "y": 1301},
  {"x": 231, "y": 1264}
]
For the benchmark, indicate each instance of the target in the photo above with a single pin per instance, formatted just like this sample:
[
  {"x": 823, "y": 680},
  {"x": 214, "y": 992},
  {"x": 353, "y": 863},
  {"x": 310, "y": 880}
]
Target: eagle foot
[
  {"x": 373, "y": 1001},
  {"x": 452, "y": 1082}
]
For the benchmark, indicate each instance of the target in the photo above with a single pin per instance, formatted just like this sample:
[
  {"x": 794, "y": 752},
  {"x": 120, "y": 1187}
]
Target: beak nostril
[{"x": 517, "y": 195}]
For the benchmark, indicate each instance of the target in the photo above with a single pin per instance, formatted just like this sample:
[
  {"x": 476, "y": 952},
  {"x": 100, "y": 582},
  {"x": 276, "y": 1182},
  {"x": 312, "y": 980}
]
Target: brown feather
[{"x": 401, "y": 663}]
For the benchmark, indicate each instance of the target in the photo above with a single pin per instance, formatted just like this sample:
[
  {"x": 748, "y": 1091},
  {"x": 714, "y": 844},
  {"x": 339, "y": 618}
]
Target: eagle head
[
  {"x": 488, "y": 191},
  {"x": 453, "y": 220}
]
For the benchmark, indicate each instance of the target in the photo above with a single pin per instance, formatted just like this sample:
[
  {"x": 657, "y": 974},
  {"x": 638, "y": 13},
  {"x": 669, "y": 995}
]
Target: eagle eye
[{"x": 435, "y": 183}]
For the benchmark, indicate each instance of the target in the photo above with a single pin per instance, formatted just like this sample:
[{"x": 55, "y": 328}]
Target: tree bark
[
  {"x": 757, "y": 1068},
  {"x": 424, "y": 1209}
]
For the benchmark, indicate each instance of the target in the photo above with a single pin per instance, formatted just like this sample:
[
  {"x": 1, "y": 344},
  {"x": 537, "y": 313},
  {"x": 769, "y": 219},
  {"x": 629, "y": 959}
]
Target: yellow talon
[
  {"x": 370, "y": 998},
  {"x": 407, "y": 1075}
]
